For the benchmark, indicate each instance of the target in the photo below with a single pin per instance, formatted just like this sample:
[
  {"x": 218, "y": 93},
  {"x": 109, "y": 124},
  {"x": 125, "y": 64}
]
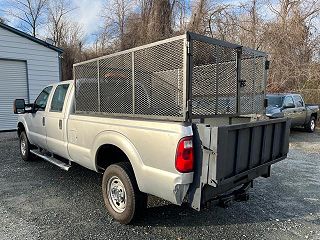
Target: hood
[
  {"x": 274, "y": 112},
  {"x": 272, "y": 109}
]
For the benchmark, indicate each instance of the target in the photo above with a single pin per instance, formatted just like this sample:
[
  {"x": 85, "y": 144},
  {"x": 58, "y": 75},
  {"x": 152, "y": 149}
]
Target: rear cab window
[{"x": 58, "y": 98}]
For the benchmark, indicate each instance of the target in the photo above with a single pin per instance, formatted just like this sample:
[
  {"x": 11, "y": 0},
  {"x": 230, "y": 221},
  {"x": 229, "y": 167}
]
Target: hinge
[
  {"x": 188, "y": 109},
  {"x": 239, "y": 50},
  {"x": 243, "y": 83},
  {"x": 267, "y": 65},
  {"x": 210, "y": 151},
  {"x": 188, "y": 105}
]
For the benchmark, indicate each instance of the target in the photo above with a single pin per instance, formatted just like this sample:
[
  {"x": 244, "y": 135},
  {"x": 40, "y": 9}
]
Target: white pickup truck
[{"x": 191, "y": 159}]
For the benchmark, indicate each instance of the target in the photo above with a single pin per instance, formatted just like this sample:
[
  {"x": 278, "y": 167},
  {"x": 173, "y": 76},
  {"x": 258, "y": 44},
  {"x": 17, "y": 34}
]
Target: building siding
[{"x": 42, "y": 62}]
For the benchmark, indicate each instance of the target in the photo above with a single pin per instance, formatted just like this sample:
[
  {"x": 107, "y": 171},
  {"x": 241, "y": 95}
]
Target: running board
[{"x": 52, "y": 160}]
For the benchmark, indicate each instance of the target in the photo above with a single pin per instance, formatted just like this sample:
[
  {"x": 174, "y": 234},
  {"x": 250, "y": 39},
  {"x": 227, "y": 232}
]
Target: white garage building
[{"x": 27, "y": 65}]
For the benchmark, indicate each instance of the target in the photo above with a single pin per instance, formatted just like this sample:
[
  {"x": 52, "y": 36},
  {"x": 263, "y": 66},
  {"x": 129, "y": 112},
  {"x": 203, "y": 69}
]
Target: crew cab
[{"x": 293, "y": 106}]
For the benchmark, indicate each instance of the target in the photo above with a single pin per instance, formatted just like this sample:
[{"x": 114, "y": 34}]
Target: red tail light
[{"x": 184, "y": 155}]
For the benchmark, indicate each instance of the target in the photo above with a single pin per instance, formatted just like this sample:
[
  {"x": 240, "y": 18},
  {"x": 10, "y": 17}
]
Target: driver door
[{"x": 37, "y": 119}]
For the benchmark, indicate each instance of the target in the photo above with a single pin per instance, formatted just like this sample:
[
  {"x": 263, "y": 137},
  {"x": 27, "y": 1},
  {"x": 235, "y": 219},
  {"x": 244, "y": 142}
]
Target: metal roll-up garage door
[{"x": 13, "y": 84}]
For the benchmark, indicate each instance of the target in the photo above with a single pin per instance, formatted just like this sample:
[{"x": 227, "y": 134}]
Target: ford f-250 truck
[
  {"x": 291, "y": 105},
  {"x": 163, "y": 119}
]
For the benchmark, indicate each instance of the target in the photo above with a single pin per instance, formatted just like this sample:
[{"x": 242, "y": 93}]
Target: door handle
[
  {"x": 60, "y": 124},
  {"x": 43, "y": 121}
]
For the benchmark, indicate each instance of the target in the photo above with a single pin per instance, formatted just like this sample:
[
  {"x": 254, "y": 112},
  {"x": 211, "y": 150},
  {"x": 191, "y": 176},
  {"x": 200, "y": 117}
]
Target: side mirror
[
  {"x": 19, "y": 106},
  {"x": 289, "y": 105}
]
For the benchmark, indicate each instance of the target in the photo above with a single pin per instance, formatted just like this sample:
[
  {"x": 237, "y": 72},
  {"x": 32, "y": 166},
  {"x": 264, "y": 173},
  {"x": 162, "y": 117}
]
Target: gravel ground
[{"x": 40, "y": 201}]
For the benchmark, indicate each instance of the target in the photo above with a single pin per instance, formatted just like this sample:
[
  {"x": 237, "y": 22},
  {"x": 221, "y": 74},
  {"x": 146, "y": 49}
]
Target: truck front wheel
[
  {"x": 25, "y": 147},
  {"x": 311, "y": 125},
  {"x": 121, "y": 195}
]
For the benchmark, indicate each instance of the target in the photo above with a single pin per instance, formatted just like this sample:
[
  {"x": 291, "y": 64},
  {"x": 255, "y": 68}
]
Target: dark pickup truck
[{"x": 292, "y": 106}]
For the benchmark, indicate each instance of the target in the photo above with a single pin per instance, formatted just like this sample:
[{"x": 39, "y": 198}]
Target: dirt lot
[{"x": 40, "y": 201}]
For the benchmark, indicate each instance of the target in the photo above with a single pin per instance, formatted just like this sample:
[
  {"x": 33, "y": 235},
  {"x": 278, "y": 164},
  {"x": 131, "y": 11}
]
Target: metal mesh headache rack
[{"x": 181, "y": 78}]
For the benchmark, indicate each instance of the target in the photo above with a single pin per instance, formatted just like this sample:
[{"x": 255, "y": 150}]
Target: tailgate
[{"x": 228, "y": 156}]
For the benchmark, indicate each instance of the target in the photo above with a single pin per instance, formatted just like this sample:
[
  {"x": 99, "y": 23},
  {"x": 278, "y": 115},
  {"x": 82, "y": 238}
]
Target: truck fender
[
  {"x": 122, "y": 142},
  {"x": 25, "y": 125}
]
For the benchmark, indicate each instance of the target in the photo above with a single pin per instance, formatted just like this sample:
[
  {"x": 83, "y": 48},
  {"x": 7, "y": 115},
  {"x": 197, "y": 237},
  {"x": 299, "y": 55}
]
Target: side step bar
[{"x": 52, "y": 160}]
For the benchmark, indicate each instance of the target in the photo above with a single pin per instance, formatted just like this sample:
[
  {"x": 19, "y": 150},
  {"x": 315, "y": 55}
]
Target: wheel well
[
  {"x": 314, "y": 115},
  {"x": 20, "y": 128},
  {"x": 109, "y": 154}
]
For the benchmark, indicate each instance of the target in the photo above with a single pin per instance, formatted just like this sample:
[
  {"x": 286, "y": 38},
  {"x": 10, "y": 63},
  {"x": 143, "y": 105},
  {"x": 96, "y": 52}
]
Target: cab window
[
  {"x": 59, "y": 97},
  {"x": 298, "y": 101},
  {"x": 288, "y": 100},
  {"x": 41, "y": 101}
]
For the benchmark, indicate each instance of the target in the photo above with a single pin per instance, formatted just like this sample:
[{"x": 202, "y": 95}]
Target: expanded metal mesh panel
[
  {"x": 86, "y": 76},
  {"x": 158, "y": 73},
  {"x": 260, "y": 84},
  {"x": 146, "y": 82},
  {"x": 116, "y": 84},
  {"x": 252, "y": 75},
  {"x": 214, "y": 79}
]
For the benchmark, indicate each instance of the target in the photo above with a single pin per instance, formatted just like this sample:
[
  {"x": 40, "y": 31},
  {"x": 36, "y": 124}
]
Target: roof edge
[{"x": 34, "y": 39}]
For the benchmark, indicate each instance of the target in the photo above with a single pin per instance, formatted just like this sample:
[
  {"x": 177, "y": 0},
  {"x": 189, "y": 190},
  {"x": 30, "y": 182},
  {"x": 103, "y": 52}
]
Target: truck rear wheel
[
  {"x": 121, "y": 195},
  {"x": 25, "y": 147},
  {"x": 311, "y": 125}
]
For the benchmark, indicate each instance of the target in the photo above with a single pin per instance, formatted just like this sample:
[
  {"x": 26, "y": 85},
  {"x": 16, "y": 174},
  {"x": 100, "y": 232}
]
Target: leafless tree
[
  {"x": 29, "y": 12},
  {"x": 2, "y": 20},
  {"x": 199, "y": 13},
  {"x": 57, "y": 20},
  {"x": 180, "y": 16},
  {"x": 72, "y": 44},
  {"x": 161, "y": 20},
  {"x": 115, "y": 14},
  {"x": 292, "y": 46}
]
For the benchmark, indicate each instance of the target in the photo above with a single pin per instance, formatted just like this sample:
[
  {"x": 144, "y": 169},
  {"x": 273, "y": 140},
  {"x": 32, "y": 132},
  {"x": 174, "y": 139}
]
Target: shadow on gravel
[{"x": 299, "y": 134}]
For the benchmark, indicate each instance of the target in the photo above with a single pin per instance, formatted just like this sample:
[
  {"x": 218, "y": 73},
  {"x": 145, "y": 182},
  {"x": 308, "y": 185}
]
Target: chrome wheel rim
[
  {"x": 117, "y": 194},
  {"x": 23, "y": 147},
  {"x": 312, "y": 125}
]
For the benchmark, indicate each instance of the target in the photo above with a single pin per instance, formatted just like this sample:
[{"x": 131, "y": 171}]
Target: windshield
[{"x": 275, "y": 101}]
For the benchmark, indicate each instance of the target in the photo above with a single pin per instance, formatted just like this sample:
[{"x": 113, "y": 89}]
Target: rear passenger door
[
  {"x": 56, "y": 121},
  {"x": 300, "y": 110}
]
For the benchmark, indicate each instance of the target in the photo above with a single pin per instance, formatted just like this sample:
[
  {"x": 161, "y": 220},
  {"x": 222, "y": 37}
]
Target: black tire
[
  {"x": 311, "y": 125},
  {"x": 135, "y": 201},
  {"x": 25, "y": 147}
]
